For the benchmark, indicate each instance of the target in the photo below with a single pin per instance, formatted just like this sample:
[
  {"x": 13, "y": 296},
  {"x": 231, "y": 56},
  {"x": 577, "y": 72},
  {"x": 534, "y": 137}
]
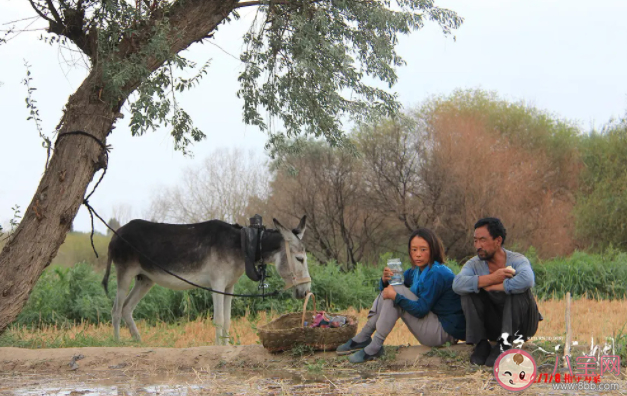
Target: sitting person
[
  {"x": 497, "y": 300},
  {"x": 426, "y": 303}
]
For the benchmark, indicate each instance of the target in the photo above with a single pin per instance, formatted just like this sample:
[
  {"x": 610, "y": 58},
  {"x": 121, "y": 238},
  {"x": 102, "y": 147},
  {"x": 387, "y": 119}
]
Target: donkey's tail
[{"x": 105, "y": 280}]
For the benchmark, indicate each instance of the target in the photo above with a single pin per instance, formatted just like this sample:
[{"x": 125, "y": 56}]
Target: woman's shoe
[
  {"x": 351, "y": 346},
  {"x": 362, "y": 356}
]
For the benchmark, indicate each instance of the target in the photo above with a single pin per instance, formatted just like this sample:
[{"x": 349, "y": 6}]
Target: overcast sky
[{"x": 567, "y": 57}]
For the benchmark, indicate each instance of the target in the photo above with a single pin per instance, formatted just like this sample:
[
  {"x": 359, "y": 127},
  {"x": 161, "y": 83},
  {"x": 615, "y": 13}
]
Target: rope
[
  {"x": 106, "y": 153},
  {"x": 93, "y": 212},
  {"x": 274, "y": 293}
]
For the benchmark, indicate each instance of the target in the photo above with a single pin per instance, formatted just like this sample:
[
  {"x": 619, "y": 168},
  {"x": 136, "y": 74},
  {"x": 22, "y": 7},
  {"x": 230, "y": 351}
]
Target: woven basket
[{"x": 288, "y": 331}]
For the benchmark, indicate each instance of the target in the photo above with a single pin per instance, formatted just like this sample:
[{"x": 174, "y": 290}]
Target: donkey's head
[{"x": 291, "y": 262}]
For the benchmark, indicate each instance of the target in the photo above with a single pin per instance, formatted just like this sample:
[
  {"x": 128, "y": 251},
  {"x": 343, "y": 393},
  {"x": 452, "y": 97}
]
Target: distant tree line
[{"x": 443, "y": 165}]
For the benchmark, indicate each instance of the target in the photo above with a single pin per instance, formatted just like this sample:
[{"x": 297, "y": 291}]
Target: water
[{"x": 397, "y": 269}]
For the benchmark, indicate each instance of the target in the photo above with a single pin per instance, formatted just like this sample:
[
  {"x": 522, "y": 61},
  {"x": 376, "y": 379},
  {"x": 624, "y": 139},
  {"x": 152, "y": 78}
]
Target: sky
[{"x": 566, "y": 57}]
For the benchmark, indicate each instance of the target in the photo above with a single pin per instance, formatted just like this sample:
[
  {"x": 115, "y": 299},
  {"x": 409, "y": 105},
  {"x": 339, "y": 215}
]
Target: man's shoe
[
  {"x": 351, "y": 346},
  {"x": 480, "y": 353},
  {"x": 495, "y": 353},
  {"x": 362, "y": 356}
]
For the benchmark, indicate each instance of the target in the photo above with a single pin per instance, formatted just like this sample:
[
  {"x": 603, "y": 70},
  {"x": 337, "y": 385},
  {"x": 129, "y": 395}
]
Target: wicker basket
[{"x": 288, "y": 331}]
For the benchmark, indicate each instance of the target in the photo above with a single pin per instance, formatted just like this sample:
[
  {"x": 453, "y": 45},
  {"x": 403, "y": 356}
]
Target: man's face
[{"x": 485, "y": 245}]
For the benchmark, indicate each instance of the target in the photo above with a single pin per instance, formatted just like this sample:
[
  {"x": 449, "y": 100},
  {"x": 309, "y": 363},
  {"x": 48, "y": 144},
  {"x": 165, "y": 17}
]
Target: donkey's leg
[
  {"x": 218, "y": 313},
  {"x": 227, "y": 314},
  {"x": 142, "y": 286},
  {"x": 124, "y": 282}
]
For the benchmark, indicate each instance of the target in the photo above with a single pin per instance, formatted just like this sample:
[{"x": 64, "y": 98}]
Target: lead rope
[{"x": 92, "y": 213}]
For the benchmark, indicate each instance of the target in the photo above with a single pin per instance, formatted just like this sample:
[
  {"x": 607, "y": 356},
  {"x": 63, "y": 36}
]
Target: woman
[{"x": 426, "y": 303}]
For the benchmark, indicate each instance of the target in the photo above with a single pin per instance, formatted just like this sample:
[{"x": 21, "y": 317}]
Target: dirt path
[{"x": 244, "y": 370}]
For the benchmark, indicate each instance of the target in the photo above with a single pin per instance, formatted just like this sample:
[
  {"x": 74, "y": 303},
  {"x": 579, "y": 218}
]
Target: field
[
  {"x": 66, "y": 330},
  {"x": 591, "y": 320},
  {"x": 190, "y": 365}
]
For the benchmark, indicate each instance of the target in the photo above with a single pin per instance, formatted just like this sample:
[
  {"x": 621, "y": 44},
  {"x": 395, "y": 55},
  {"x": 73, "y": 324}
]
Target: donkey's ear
[
  {"x": 302, "y": 226},
  {"x": 287, "y": 234},
  {"x": 280, "y": 227}
]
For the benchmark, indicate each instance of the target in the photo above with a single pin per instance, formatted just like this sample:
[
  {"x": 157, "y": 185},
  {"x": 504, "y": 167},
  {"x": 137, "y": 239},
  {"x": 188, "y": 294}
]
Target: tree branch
[
  {"x": 258, "y": 3},
  {"x": 193, "y": 19},
  {"x": 41, "y": 14},
  {"x": 248, "y": 4},
  {"x": 54, "y": 12}
]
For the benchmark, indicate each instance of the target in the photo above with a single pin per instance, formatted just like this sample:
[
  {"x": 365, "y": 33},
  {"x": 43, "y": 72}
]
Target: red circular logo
[{"x": 515, "y": 370}]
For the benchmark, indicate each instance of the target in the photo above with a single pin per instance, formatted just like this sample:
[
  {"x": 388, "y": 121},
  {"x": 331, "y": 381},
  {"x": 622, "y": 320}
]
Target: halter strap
[{"x": 292, "y": 267}]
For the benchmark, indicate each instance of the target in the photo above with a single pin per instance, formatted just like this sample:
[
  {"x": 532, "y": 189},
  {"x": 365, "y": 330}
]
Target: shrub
[{"x": 64, "y": 296}]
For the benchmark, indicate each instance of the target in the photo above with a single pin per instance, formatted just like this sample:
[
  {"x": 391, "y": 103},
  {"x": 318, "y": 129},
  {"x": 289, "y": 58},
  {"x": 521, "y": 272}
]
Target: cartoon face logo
[{"x": 515, "y": 370}]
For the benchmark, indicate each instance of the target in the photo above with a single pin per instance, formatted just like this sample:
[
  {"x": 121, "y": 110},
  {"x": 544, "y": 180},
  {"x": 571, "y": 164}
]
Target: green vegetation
[
  {"x": 69, "y": 295},
  {"x": 64, "y": 296},
  {"x": 596, "y": 276},
  {"x": 77, "y": 249},
  {"x": 601, "y": 210}
]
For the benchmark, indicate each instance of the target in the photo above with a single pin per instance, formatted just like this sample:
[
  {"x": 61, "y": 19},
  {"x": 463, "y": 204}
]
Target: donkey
[{"x": 208, "y": 254}]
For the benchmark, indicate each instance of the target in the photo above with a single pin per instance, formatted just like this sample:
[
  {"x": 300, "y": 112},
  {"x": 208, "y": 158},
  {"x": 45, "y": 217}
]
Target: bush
[
  {"x": 597, "y": 276},
  {"x": 64, "y": 296}
]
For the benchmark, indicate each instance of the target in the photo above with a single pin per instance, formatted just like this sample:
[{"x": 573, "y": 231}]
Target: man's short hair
[{"x": 495, "y": 227}]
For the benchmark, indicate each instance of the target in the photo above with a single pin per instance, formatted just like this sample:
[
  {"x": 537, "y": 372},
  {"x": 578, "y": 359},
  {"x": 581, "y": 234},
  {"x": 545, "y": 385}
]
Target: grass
[
  {"x": 300, "y": 350},
  {"x": 443, "y": 352},
  {"x": 76, "y": 248},
  {"x": 591, "y": 320},
  {"x": 601, "y": 276},
  {"x": 66, "y": 295}
]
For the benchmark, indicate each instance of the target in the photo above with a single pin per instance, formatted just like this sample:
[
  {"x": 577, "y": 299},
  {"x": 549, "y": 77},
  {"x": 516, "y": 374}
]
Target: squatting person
[{"x": 496, "y": 299}]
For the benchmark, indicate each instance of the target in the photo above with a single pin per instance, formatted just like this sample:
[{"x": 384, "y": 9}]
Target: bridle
[{"x": 295, "y": 280}]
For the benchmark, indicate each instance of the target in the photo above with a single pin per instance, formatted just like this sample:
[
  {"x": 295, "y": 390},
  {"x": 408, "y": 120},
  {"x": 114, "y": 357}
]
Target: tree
[
  {"x": 489, "y": 157},
  {"x": 601, "y": 210},
  {"x": 469, "y": 155},
  {"x": 305, "y": 65},
  {"x": 394, "y": 155},
  {"x": 121, "y": 214},
  {"x": 113, "y": 223},
  {"x": 221, "y": 188},
  {"x": 326, "y": 184}
]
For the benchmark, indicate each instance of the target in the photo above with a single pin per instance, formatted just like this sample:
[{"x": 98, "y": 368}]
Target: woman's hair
[{"x": 435, "y": 245}]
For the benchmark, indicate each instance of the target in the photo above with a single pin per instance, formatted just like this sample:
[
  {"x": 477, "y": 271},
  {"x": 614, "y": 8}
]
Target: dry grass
[
  {"x": 589, "y": 318},
  {"x": 598, "y": 319}
]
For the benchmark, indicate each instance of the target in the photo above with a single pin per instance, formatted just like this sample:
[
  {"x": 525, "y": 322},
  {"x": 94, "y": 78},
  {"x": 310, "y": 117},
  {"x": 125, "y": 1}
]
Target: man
[{"x": 496, "y": 300}]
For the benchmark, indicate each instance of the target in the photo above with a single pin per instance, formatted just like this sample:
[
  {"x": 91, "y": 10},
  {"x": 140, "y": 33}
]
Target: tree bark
[
  {"x": 49, "y": 216},
  {"x": 76, "y": 159}
]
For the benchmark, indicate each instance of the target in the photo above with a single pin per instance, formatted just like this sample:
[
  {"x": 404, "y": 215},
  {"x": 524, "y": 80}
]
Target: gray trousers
[
  {"x": 384, "y": 314},
  {"x": 491, "y": 314}
]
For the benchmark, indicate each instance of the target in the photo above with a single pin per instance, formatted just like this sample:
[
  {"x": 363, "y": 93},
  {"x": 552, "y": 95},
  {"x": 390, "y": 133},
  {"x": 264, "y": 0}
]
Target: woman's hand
[
  {"x": 389, "y": 293},
  {"x": 387, "y": 275}
]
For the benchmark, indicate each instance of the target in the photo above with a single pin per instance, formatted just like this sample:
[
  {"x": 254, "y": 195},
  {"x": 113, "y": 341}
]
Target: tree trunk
[
  {"x": 49, "y": 216},
  {"x": 76, "y": 158}
]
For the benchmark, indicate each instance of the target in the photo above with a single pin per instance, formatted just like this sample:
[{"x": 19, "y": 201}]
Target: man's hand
[
  {"x": 387, "y": 275},
  {"x": 500, "y": 275},
  {"x": 389, "y": 293},
  {"x": 495, "y": 278}
]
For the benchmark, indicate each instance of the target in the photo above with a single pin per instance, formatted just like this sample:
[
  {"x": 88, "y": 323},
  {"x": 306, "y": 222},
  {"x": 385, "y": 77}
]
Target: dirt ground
[{"x": 247, "y": 370}]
